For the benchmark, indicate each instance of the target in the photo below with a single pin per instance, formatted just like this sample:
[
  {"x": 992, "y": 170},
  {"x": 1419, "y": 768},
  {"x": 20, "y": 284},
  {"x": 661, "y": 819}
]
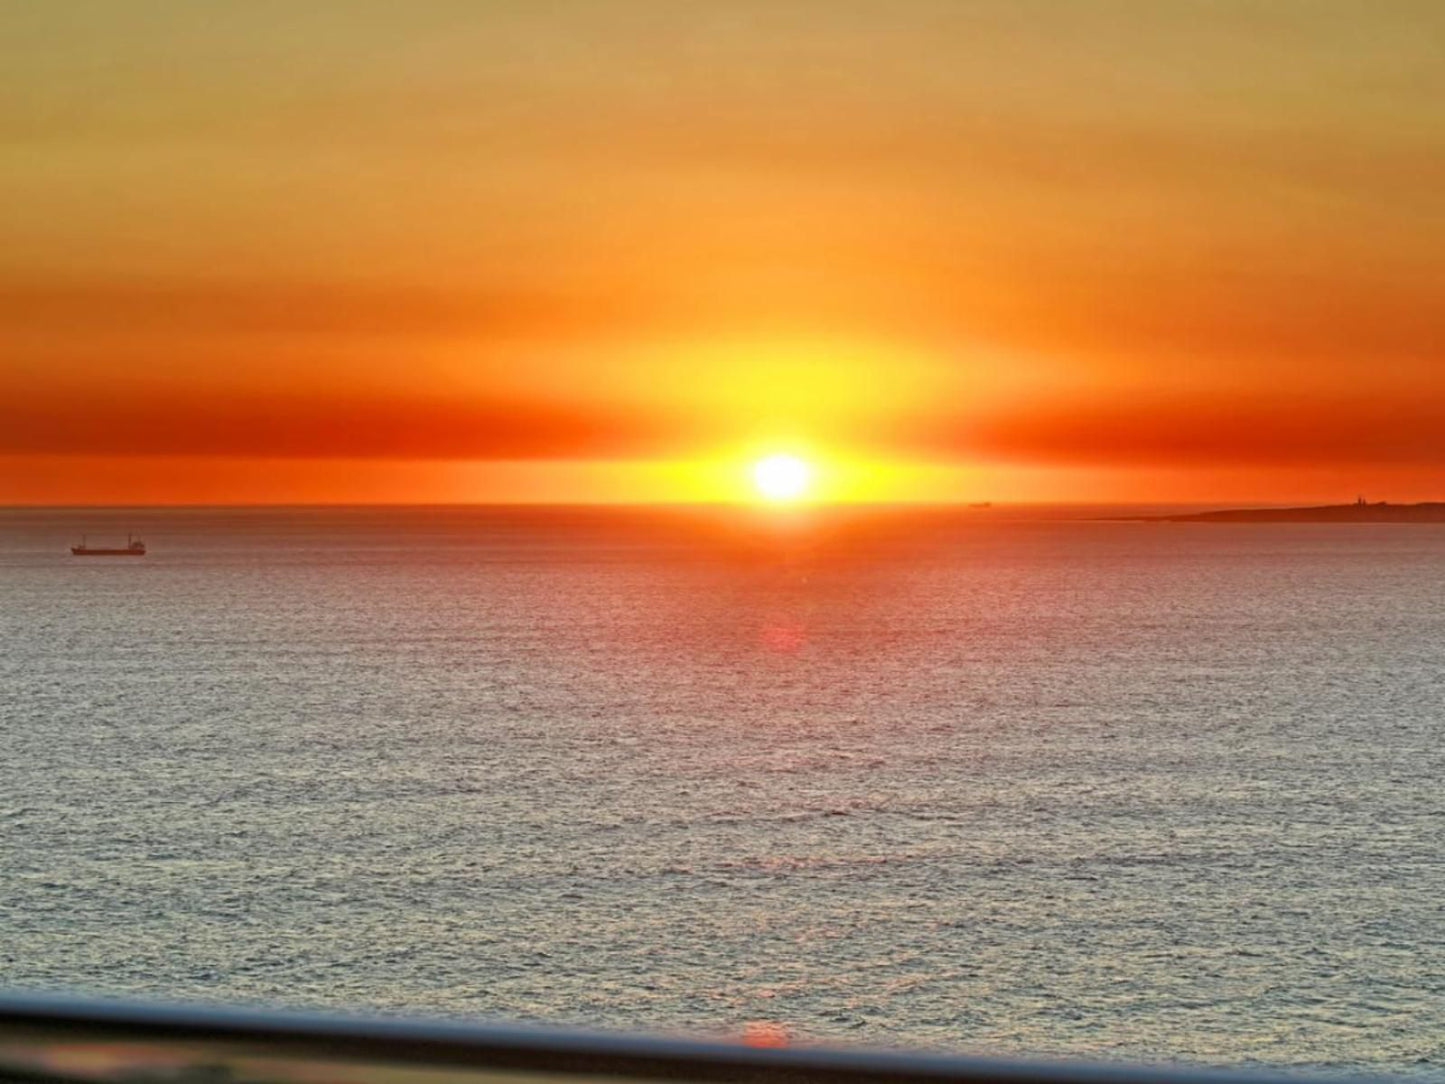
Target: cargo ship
[{"x": 134, "y": 547}]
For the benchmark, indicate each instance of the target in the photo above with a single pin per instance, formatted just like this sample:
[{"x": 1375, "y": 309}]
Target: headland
[{"x": 1359, "y": 512}]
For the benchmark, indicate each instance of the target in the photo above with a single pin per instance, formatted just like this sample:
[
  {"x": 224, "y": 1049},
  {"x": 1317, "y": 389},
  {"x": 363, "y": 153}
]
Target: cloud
[
  {"x": 1286, "y": 429},
  {"x": 339, "y": 426}
]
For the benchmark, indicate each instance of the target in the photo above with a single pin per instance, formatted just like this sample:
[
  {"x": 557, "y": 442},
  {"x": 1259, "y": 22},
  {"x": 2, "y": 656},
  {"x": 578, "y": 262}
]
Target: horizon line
[{"x": 980, "y": 506}]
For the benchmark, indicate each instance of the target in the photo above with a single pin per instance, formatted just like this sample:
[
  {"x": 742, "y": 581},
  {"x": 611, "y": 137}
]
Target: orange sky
[{"x": 441, "y": 251}]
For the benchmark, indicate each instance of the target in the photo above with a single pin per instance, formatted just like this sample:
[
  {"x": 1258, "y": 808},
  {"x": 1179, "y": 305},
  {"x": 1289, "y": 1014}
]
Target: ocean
[{"x": 957, "y": 780}]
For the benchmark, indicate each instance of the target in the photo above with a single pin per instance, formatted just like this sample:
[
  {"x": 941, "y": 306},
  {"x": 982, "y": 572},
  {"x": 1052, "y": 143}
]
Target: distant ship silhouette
[{"x": 134, "y": 547}]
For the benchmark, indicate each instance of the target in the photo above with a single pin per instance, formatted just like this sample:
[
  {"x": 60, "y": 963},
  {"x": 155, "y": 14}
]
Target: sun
[{"x": 782, "y": 477}]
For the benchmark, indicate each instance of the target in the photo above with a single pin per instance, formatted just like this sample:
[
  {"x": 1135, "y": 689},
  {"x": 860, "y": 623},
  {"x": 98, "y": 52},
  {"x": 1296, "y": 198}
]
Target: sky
[{"x": 1009, "y": 250}]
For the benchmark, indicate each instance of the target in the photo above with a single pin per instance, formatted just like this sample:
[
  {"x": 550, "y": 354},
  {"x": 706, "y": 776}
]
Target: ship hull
[{"x": 81, "y": 552}]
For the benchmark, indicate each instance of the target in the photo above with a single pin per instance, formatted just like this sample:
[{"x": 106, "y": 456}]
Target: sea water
[{"x": 926, "y": 779}]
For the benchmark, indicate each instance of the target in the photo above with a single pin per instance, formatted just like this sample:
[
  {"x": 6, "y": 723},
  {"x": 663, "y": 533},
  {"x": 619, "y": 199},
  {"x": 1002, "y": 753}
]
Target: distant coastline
[{"x": 1359, "y": 512}]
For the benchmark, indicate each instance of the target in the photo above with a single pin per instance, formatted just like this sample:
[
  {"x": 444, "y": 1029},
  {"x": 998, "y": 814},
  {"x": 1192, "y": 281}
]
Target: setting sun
[{"x": 782, "y": 477}]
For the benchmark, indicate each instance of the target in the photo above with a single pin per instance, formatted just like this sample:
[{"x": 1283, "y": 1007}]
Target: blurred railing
[{"x": 46, "y": 1040}]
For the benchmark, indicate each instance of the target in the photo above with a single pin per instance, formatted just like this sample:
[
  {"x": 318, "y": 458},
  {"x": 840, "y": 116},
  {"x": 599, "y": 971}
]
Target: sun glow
[{"x": 782, "y": 477}]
